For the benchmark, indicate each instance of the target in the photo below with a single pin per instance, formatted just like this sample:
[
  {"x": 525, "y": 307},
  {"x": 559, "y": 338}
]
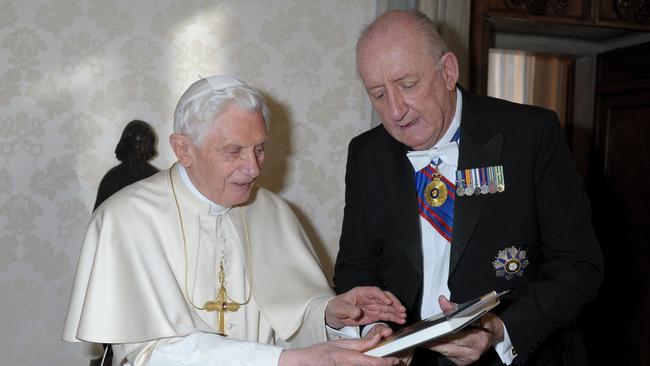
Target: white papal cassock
[{"x": 130, "y": 287}]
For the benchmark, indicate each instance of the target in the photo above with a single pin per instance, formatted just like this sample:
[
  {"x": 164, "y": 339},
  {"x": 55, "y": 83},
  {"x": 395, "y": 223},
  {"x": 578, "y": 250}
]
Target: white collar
[{"x": 215, "y": 209}]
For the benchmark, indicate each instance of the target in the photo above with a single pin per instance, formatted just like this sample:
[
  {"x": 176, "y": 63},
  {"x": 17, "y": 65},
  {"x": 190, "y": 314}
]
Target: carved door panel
[{"x": 617, "y": 326}]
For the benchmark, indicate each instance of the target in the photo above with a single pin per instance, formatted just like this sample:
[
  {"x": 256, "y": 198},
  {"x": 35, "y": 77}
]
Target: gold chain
[{"x": 248, "y": 245}]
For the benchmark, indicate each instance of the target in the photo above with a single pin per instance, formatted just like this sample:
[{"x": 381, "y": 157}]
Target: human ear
[
  {"x": 182, "y": 147},
  {"x": 450, "y": 70}
]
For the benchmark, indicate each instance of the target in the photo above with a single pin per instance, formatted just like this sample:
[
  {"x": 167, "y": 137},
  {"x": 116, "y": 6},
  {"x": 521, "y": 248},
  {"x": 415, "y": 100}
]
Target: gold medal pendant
[{"x": 436, "y": 192}]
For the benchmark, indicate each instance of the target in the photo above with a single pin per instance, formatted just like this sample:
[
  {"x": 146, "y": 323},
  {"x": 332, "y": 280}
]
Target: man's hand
[
  {"x": 468, "y": 345},
  {"x": 336, "y": 353},
  {"x": 364, "y": 305},
  {"x": 380, "y": 329}
]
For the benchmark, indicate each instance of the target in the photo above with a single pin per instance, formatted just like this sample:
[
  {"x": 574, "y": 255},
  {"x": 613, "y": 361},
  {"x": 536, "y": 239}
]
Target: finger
[
  {"x": 386, "y": 315},
  {"x": 467, "y": 348},
  {"x": 452, "y": 350},
  {"x": 374, "y": 294},
  {"x": 391, "y": 360},
  {"x": 379, "y": 361},
  {"x": 373, "y": 333},
  {"x": 382, "y": 309},
  {"x": 363, "y": 360},
  {"x": 465, "y": 360},
  {"x": 389, "y": 317},
  {"x": 359, "y": 345},
  {"x": 376, "y": 307},
  {"x": 445, "y": 304},
  {"x": 396, "y": 303},
  {"x": 373, "y": 315},
  {"x": 385, "y": 332},
  {"x": 381, "y": 329},
  {"x": 469, "y": 338}
]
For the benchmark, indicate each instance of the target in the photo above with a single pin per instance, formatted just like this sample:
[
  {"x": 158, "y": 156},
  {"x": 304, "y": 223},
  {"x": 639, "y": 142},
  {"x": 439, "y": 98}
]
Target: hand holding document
[{"x": 438, "y": 325}]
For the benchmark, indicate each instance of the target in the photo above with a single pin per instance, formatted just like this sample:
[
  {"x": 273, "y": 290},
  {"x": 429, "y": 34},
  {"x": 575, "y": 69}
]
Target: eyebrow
[
  {"x": 237, "y": 145},
  {"x": 392, "y": 82}
]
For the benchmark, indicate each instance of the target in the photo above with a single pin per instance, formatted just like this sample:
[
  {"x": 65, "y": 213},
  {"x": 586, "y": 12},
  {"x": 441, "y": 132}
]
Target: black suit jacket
[{"x": 543, "y": 210}]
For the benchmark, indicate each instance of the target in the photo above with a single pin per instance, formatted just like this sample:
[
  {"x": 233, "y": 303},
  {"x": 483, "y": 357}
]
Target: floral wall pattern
[{"x": 74, "y": 72}]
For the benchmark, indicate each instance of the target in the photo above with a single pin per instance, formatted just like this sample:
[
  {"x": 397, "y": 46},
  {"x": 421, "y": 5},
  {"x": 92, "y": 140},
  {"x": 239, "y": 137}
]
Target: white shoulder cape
[{"x": 129, "y": 286}]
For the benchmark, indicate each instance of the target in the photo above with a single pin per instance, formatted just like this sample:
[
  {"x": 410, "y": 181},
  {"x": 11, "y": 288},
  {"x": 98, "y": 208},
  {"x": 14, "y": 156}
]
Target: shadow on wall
[
  {"x": 274, "y": 174},
  {"x": 278, "y": 148},
  {"x": 326, "y": 263}
]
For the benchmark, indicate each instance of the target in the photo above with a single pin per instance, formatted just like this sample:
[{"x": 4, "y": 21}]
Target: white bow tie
[{"x": 447, "y": 153}]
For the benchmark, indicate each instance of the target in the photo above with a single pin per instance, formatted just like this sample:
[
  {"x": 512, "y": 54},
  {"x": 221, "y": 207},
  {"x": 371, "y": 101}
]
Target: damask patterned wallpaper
[{"x": 74, "y": 72}]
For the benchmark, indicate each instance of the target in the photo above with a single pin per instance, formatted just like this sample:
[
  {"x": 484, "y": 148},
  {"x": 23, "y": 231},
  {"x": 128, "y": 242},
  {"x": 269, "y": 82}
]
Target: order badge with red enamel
[{"x": 510, "y": 262}]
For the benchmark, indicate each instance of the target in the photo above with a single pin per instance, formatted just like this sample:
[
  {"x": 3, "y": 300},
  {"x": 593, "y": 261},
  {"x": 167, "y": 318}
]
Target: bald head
[
  {"x": 409, "y": 76},
  {"x": 407, "y": 24}
]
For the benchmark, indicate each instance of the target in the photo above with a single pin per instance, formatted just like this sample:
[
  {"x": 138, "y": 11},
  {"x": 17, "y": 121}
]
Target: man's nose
[
  {"x": 397, "y": 108},
  {"x": 252, "y": 163}
]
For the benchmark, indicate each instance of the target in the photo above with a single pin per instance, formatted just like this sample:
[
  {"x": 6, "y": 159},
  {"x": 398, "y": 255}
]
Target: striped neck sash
[{"x": 436, "y": 195}]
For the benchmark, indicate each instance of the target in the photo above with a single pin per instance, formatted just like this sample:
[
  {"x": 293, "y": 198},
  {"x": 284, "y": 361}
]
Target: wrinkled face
[
  {"x": 226, "y": 165},
  {"x": 413, "y": 93}
]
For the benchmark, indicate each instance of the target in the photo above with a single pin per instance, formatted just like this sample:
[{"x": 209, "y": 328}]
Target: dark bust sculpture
[{"x": 134, "y": 150}]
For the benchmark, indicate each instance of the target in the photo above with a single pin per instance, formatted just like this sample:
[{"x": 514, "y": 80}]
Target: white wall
[{"x": 73, "y": 72}]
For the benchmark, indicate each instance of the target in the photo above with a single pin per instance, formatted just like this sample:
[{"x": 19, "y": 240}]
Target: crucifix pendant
[{"x": 221, "y": 304}]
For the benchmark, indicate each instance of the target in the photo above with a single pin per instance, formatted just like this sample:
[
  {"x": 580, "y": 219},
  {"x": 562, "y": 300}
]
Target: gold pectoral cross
[{"x": 221, "y": 304}]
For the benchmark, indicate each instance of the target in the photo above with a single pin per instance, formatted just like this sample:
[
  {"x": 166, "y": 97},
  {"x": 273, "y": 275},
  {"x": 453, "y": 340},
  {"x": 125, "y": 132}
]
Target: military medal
[
  {"x": 492, "y": 188},
  {"x": 468, "y": 189},
  {"x": 501, "y": 183},
  {"x": 492, "y": 182},
  {"x": 460, "y": 185},
  {"x": 436, "y": 191},
  {"x": 477, "y": 181},
  {"x": 484, "y": 184},
  {"x": 510, "y": 262}
]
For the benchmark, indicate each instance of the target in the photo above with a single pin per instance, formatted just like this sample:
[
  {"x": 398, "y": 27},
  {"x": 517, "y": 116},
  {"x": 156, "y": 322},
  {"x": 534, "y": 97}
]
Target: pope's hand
[
  {"x": 467, "y": 346},
  {"x": 380, "y": 329},
  {"x": 364, "y": 305},
  {"x": 336, "y": 353}
]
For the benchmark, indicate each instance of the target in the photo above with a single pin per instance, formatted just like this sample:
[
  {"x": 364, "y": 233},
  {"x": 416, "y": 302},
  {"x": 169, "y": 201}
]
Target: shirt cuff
[
  {"x": 344, "y": 333},
  {"x": 207, "y": 349},
  {"x": 505, "y": 349},
  {"x": 369, "y": 327}
]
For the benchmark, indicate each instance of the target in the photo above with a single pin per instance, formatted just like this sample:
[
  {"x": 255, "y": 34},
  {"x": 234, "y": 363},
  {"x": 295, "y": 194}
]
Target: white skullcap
[
  {"x": 214, "y": 83},
  {"x": 218, "y": 82}
]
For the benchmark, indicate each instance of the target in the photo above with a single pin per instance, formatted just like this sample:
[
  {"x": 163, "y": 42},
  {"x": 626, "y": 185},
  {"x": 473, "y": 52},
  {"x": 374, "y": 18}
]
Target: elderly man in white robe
[{"x": 197, "y": 266}]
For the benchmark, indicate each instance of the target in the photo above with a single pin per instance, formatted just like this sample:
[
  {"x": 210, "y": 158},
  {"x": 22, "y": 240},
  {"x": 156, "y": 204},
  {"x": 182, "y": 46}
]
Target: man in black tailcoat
[{"x": 457, "y": 195}]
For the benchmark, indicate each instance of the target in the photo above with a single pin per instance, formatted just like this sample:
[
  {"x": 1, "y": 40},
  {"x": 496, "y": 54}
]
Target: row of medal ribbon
[{"x": 480, "y": 181}]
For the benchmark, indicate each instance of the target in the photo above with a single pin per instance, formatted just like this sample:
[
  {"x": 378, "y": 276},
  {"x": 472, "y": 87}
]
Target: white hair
[{"x": 206, "y": 99}]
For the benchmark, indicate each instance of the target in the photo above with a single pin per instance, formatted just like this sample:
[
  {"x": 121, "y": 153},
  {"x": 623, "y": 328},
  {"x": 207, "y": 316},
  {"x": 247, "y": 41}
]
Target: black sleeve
[{"x": 355, "y": 264}]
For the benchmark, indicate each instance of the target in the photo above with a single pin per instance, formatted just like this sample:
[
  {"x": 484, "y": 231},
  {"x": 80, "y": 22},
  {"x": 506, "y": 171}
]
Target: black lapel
[
  {"x": 479, "y": 147},
  {"x": 397, "y": 173}
]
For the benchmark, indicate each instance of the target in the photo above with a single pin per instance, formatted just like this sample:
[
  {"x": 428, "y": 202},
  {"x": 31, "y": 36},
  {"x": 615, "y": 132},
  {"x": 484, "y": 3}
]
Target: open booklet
[{"x": 437, "y": 326}]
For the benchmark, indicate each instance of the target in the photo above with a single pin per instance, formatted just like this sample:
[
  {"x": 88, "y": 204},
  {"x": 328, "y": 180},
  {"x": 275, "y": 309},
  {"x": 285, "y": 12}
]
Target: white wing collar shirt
[
  {"x": 130, "y": 288},
  {"x": 436, "y": 250}
]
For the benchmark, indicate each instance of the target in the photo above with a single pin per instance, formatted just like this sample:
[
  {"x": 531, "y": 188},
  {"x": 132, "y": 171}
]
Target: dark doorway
[{"x": 616, "y": 327}]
